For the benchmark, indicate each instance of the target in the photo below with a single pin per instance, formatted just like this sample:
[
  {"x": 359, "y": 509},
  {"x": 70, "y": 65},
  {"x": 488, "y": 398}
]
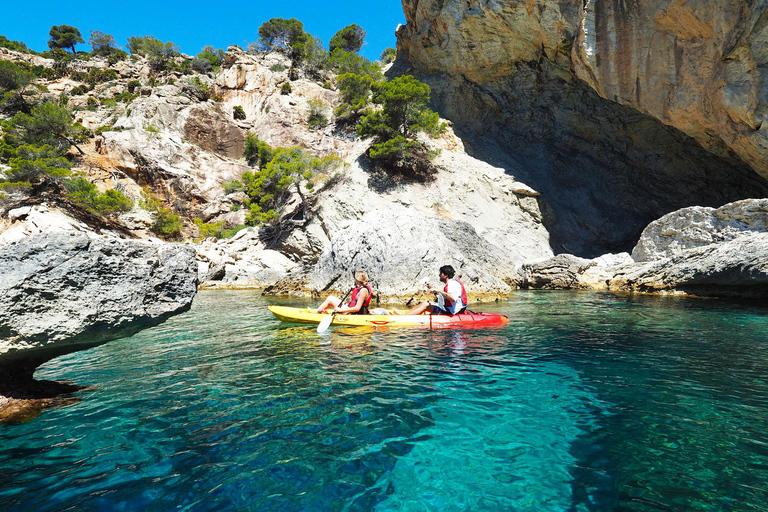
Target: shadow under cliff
[{"x": 604, "y": 171}]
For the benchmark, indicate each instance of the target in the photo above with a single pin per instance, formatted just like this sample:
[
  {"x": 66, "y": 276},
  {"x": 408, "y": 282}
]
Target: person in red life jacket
[
  {"x": 359, "y": 298},
  {"x": 451, "y": 300}
]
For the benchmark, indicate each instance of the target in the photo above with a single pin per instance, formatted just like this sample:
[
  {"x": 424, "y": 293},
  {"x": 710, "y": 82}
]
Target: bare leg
[
  {"x": 332, "y": 300},
  {"x": 424, "y": 306}
]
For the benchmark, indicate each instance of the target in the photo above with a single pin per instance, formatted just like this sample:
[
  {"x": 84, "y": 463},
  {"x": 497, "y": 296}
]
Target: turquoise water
[{"x": 584, "y": 402}]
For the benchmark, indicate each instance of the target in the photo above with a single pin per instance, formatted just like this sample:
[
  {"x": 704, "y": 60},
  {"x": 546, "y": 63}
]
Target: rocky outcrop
[
  {"x": 402, "y": 252},
  {"x": 702, "y": 251},
  {"x": 470, "y": 215},
  {"x": 706, "y": 251},
  {"x": 515, "y": 80},
  {"x": 735, "y": 268},
  {"x": 696, "y": 65},
  {"x": 212, "y": 130},
  {"x": 63, "y": 290},
  {"x": 700, "y": 227}
]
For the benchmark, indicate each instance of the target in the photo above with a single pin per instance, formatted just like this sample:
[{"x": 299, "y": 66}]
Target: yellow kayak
[{"x": 393, "y": 318}]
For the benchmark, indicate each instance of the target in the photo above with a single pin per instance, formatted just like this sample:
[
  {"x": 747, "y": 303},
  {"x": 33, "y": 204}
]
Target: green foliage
[
  {"x": 167, "y": 225},
  {"x": 270, "y": 189},
  {"x": 34, "y": 164},
  {"x": 256, "y": 151},
  {"x": 350, "y": 38},
  {"x": 404, "y": 110},
  {"x": 216, "y": 229},
  {"x": 84, "y": 193},
  {"x": 160, "y": 55},
  {"x": 342, "y": 61},
  {"x": 355, "y": 89},
  {"x": 395, "y": 149},
  {"x": 277, "y": 68},
  {"x": 238, "y": 112},
  {"x": 208, "y": 59},
  {"x": 13, "y": 187},
  {"x": 64, "y": 36},
  {"x": 14, "y": 86},
  {"x": 13, "y": 76},
  {"x": 388, "y": 55},
  {"x": 80, "y": 89},
  {"x": 233, "y": 186},
  {"x": 286, "y": 88},
  {"x": 125, "y": 97},
  {"x": 311, "y": 55},
  {"x": 104, "y": 45},
  {"x": 318, "y": 114},
  {"x": 280, "y": 34},
  {"x": 14, "y": 45},
  {"x": 196, "y": 89},
  {"x": 133, "y": 85},
  {"x": 94, "y": 76},
  {"x": 47, "y": 124}
]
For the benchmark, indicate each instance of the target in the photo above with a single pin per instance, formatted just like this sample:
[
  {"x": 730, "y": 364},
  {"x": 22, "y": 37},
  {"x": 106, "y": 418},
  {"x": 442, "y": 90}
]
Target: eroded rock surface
[
  {"x": 64, "y": 291},
  {"x": 401, "y": 252},
  {"x": 703, "y": 251},
  {"x": 518, "y": 82}
]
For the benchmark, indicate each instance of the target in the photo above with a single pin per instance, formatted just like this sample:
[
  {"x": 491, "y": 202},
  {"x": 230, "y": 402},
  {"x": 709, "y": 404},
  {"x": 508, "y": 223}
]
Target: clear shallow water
[{"x": 584, "y": 402}]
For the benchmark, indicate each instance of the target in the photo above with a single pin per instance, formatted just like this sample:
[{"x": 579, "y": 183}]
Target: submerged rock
[{"x": 65, "y": 291}]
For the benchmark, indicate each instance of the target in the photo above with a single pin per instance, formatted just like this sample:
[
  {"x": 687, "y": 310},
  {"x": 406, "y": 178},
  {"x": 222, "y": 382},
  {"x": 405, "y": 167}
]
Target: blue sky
[{"x": 193, "y": 24}]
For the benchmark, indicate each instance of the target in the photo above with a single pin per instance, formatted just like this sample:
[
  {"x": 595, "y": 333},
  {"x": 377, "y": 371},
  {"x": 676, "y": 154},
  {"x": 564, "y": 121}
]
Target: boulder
[
  {"x": 699, "y": 227},
  {"x": 400, "y": 253},
  {"x": 734, "y": 268},
  {"x": 701, "y": 251},
  {"x": 64, "y": 291}
]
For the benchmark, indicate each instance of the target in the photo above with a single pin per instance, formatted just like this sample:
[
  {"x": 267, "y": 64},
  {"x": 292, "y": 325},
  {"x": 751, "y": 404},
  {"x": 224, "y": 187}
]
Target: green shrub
[
  {"x": 167, "y": 225},
  {"x": 15, "y": 45},
  {"x": 84, "y": 193},
  {"x": 388, "y": 55},
  {"x": 277, "y": 68},
  {"x": 318, "y": 114},
  {"x": 38, "y": 163},
  {"x": 125, "y": 97},
  {"x": 238, "y": 112},
  {"x": 270, "y": 189},
  {"x": 256, "y": 151},
  {"x": 133, "y": 85},
  {"x": 233, "y": 186},
  {"x": 286, "y": 88}
]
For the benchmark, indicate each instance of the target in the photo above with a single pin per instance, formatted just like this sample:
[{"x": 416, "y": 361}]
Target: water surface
[{"x": 584, "y": 402}]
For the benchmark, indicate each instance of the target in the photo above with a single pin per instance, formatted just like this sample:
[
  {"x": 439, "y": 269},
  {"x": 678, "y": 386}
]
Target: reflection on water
[{"x": 583, "y": 402}]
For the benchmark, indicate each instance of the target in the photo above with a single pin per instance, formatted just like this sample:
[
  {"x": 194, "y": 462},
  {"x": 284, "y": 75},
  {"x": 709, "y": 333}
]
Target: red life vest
[
  {"x": 353, "y": 298},
  {"x": 463, "y": 292}
]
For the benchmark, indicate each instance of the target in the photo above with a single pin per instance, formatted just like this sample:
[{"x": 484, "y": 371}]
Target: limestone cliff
[{"x": 618, "y": 113}]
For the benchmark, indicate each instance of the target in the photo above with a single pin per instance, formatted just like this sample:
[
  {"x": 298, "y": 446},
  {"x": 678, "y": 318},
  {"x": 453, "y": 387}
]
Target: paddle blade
[{"x": 324, "y": 324}]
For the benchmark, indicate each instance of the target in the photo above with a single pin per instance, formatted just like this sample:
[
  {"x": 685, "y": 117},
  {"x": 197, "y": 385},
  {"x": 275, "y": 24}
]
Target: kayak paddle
[{"x": 326, "y": 322}]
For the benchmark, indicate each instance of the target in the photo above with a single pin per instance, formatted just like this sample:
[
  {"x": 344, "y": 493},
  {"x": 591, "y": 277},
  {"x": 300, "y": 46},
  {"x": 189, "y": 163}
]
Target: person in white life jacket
[
  {"x": 359, "y": 298},
  {"x": 451, "y": 300}
]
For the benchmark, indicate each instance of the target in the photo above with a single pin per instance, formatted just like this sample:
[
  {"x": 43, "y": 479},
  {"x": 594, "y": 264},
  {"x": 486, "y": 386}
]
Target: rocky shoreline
[{"x": 557, "y": 170}]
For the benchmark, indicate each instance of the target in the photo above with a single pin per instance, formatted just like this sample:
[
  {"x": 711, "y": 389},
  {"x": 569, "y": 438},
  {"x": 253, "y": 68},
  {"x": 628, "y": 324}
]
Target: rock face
[
  {"x": 697, "y": 65},
  {"x": 696, "y": 250},
  {"x": 701, "y": 227},
  {"x": 401, "y": 252},
  {"x": 518, "y": 82},
  {"x": 64, "y": 291}
]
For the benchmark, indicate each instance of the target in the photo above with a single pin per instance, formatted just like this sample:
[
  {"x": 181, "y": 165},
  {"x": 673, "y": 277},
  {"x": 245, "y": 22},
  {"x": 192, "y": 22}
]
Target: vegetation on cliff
[{"x": 40, "y": 144}]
